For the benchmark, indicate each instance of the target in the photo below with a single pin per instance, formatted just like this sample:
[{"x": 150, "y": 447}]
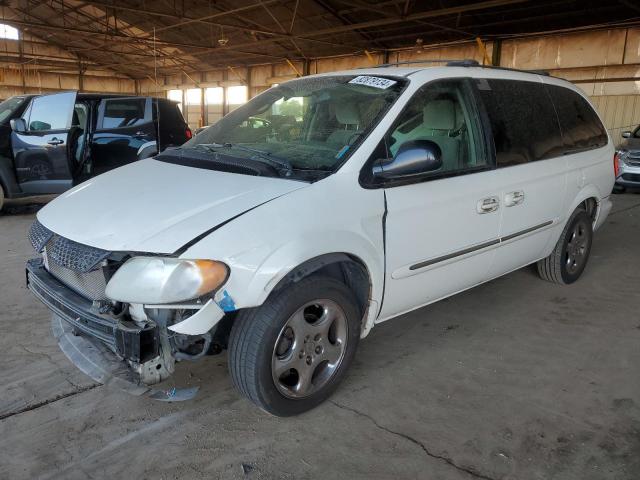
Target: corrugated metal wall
[{"x": 619, "y": 113}]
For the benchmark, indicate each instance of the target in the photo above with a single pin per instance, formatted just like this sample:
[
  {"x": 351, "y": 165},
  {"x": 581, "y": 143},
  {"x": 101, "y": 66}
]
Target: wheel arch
[
  {"x": 347, "y": 268},
  {"x": 589, "y": 199}
]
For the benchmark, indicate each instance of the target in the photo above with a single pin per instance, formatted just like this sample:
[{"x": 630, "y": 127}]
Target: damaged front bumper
[{"x": 110, "y": 350}]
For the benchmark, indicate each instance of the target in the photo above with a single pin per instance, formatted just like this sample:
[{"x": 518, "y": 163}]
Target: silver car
[{"x": 628, "y": 161}]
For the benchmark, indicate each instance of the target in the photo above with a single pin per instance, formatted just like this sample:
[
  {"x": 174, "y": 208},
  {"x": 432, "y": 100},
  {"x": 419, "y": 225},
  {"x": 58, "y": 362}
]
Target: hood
[{"x": 156, "y": 207}]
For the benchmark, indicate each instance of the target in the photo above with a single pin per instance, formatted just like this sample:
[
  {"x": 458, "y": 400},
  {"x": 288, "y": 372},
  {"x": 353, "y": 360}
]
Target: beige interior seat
[
  {"x": 439, "y": 125},
  {"x": 348, "y": 117}
]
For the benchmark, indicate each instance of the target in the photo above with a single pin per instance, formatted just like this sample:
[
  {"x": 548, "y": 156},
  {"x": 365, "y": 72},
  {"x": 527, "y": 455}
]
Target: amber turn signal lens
[{"x": 213, "y": 275}]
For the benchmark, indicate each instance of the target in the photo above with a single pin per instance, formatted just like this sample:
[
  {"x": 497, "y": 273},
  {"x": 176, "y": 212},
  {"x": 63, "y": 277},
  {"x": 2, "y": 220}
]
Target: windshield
[
  {"x": 309, "y": 124},
  {"x": 9, "y": 106}
]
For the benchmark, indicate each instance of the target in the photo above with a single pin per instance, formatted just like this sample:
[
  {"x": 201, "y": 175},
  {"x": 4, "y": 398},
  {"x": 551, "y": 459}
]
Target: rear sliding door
[{"x": 531, "y": 168}]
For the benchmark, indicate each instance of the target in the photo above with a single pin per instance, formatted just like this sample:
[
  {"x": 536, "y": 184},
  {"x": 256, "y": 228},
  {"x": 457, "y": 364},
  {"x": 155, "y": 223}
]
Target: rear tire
[
  {"x": 290, "y": 354},
  {"x": 1, "y": 197},
  {"x": 618, "y": 189},
  {"x": 570, "y": 255}
]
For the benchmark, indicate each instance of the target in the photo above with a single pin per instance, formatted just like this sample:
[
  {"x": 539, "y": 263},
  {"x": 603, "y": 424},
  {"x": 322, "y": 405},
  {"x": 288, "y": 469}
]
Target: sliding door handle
[
  {"x": 514, "y": 198},
  {"x": 488, "y": 205}
]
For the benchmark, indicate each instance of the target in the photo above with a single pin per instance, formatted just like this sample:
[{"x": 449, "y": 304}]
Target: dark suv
[{"x": 57, "y": 141}]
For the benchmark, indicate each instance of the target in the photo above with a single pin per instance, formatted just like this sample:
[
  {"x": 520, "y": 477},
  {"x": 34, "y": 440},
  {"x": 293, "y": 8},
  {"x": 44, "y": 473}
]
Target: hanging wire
[{"x": 155, "y": 60}]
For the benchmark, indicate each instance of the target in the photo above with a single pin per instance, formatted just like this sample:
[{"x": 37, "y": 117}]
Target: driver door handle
[
  {"x": 488, "y": 205},
  {"x": 55, "y": 141}
]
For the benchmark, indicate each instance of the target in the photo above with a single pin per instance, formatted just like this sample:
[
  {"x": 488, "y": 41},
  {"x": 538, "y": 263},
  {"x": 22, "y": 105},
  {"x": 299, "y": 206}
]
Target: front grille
[
  {"x": 73, "y": 255},
  {"x": 90, "y": 285},
  {"x": 77, "y": 266},
  {"x": 632, "y": 159}
]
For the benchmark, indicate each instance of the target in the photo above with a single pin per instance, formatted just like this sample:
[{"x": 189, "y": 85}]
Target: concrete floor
[{"x": 515, "y": 379}]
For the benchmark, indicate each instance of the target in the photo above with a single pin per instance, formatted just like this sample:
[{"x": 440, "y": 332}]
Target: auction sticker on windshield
[{"x": 375, "y": 82}]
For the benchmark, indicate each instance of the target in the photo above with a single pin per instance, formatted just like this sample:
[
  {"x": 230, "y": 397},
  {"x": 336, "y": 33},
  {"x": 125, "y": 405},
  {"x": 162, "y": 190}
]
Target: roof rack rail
[
  {"x": 535, "y": 72},
  {"x": 448, "y": 61},
  {"x": 465, "y": 62}
]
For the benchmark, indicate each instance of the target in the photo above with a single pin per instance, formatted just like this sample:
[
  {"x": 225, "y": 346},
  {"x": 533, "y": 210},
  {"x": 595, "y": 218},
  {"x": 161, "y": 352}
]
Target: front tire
[
  {"x": 569, "y": 258},
  {"x": 289, "y": 354}
]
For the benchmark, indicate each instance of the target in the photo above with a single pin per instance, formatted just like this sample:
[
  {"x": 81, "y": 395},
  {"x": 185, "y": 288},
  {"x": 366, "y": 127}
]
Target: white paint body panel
[
  {"x": 151, "y": 206},
  {"x": 200, "y": 322},
  {"x": 430, "y": 220}
]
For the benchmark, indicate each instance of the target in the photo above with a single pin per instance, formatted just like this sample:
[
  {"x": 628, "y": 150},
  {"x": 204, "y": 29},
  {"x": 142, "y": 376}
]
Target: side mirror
[
  {"x": 18, "y": 125},
  {"x": 626, "y": 134},
  {"x": 414, "y": 157}
]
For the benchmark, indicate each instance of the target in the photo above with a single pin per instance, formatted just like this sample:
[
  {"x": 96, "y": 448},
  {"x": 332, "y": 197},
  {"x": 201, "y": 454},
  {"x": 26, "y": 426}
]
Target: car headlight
[{"x": 158, "y": 280}]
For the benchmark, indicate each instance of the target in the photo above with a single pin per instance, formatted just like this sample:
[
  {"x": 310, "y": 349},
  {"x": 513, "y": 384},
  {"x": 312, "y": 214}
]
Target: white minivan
[{"x": 322, "y": 207}]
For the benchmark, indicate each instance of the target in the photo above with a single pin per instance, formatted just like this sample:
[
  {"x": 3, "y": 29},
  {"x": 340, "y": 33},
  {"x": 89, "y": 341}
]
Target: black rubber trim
[
  {"x": 475, "y": 248},
  {"x": 525, "y": 231},
  {"x": 459, "y": 253}
]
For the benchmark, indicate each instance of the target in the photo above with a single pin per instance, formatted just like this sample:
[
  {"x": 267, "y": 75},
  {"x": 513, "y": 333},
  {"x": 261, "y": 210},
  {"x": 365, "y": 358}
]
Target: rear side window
[
  {"x": 523, "y": 121},
  {"x": 124, "y": 112},
  {"x": 170, "y": 113},
  {"x": 581, "y": 127}
]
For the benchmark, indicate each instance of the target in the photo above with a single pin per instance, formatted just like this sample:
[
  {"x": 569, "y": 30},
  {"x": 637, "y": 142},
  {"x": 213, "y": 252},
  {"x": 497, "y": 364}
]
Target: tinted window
[
  {"x": 52, "y": 112},
  {"x": 442, "y": 112},
  {"x": 523, "y": 121},
  {"x": 170, "y": 113},
  {"x": 9, "y": 106},
  {"x": 123, "y": 112},
  {"x": 581, "y": 127}
]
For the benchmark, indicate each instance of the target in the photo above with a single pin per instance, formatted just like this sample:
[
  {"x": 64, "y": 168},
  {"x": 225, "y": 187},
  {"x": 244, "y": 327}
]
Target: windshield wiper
[{"x": 266, "y": 157}]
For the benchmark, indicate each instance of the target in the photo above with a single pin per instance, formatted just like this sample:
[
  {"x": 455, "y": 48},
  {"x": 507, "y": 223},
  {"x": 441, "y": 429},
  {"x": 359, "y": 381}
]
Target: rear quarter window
[
  {"x": 581, "y": 127},
  {"x": 523, "y": 121},
  {"x": 170, "y": 113},
  {"x": 123, "y": 113}
]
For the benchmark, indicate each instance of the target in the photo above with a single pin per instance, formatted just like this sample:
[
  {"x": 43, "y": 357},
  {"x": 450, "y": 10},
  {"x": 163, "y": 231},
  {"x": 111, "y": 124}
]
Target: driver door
[
  {"x": 442, "y": 228},
  {"x": 40, "y": 152}
]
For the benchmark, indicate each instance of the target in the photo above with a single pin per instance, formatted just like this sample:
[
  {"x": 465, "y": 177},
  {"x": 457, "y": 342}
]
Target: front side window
[
  {"x": 309, "y": 124},
  {"x": 581, "y": 127},
  {"x": 51, "y": 112},
  {"x": 443, "y": 113},
  {"x": 523, "y": 121},
  {"x": 124, "y": 112}
]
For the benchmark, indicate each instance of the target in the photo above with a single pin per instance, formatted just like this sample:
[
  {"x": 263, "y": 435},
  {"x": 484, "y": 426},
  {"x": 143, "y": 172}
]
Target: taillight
[
  {"x": 188, "y": 133},
  {"x": 616, "y": 164}
]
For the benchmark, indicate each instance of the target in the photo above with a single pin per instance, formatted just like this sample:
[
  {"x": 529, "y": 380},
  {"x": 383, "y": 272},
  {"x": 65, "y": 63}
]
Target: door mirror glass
[
  {"x": 415, "y": 157},
  {"x": 626, "y": 134},
  {"x": 18, "y": 125}
]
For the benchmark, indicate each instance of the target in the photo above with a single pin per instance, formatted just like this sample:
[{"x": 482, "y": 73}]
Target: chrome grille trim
[
  {"x": 39, "y": 236},
  {"x": 73, "y": 255}
]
